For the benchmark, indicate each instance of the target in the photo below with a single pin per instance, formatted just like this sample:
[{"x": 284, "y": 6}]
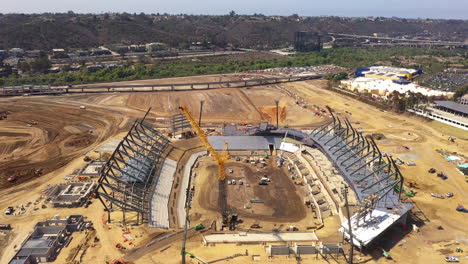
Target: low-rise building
[
  {"x": 44, "y": 243},
  {"x": 464, "y": 99},
  {"x": 3, "y": 54},
  {"x": 33, "y": 54},
  {"x": 137, "y": 48},
  {"x": 155, "y": 46},
  {"x": 16, "y": 52}
]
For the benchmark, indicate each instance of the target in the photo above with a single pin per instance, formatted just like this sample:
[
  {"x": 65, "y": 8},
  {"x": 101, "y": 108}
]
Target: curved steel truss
[{"x": 130, "y": 175}]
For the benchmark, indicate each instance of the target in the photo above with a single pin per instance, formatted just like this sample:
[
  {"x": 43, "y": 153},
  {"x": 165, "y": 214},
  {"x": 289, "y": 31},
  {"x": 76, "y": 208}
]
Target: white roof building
[{"x": 386, "y": 87}]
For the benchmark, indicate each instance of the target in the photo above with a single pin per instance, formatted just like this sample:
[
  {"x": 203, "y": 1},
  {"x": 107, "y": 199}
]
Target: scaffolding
[{"x": 130, "y": 175}]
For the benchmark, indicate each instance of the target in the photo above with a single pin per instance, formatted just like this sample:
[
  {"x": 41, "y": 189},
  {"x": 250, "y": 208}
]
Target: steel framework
[
  {"x": 130, "y": 175},
  {"x": 372, "y": 176},
  {"x": 179, "y": 122}
]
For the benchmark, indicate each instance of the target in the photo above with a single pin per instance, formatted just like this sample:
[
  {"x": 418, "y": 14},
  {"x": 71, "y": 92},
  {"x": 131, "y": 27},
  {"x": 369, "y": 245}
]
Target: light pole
[
  {"x": 201, "y": 110},
  {"x": 277, "y": 113}
]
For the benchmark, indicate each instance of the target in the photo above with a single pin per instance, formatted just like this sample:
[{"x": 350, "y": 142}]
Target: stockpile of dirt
[
  {"x": 269, "y": 112},
  {"x": 377, "y": 136}
]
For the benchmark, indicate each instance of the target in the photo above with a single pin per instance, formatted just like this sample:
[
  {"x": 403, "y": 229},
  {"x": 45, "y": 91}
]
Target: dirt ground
[
  {"x": 282, "y": 200},
  {"x": 40, "y": 133},
  {"x": 61, "y": 138}
]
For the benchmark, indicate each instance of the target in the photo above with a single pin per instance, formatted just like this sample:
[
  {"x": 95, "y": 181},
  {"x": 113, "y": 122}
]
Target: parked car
[{"x": 436, "y": 195}]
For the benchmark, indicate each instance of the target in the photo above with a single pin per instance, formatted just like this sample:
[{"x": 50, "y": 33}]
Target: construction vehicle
[
  {"x": 219, "y": 158},
  {"x": 386, "y": 254},
  {"x": 436, "y": 195},
  {"x": 193, "y": 256},
  {"x": 442, "y": 175},
  {"x": 13, "y": 177},
  {"x": 451, "y": 259},
  {"x": 118, "y": 261},
  {"x": 9, "y": 210}
]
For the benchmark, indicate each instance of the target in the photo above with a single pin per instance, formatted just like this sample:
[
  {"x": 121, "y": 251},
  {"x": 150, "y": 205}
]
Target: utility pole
[
  {"x": 277, "y": 113},
  {"x": 201, "y": 110},
  {"x": 184, "y": 241},
  {"x": 351, "y": 250}
]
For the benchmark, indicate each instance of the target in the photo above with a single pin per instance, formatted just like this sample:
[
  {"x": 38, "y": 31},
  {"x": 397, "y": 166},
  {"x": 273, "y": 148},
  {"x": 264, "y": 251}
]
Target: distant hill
[{"x": 69, "y": 30}]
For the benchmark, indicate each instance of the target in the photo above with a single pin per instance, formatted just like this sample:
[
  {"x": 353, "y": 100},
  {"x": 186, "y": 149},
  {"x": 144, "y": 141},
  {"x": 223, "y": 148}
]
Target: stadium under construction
[{"x": 139, "y": 177}]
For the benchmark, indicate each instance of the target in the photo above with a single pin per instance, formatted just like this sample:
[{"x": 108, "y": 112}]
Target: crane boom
[{"x": 219, "y": 158}]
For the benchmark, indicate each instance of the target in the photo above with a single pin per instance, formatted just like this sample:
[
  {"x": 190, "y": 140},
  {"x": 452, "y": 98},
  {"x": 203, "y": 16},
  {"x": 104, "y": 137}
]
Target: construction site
[{"x": 276, "y": 171}]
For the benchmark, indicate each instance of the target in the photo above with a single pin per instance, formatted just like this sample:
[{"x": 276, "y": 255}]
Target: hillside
[{"x": 47, "y": 31}]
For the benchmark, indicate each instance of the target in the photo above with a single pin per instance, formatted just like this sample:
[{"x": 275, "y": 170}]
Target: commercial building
[
  {"x": 388, "y": 73},
  {"x": 45, "y": 242},
  {"x": 307, "y": 41},
  {"x": 384, "y": 87}
]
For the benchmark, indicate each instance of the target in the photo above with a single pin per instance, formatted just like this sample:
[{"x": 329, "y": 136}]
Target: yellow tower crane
[{"x": 220, "y": 158}]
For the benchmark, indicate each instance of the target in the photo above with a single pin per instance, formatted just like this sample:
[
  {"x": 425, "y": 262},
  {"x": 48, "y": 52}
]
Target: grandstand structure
[
  {"x": 374, "y": 178},
  {"x": 130, "y": 176}
]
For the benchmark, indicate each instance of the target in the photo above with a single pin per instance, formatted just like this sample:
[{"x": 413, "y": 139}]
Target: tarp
[
  {"x": 452, "y": 158},
  {"x": 289, "y": 147}
]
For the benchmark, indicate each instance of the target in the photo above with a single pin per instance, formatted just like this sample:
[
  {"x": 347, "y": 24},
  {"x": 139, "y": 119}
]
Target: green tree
[{"x": 40, "y": 65}]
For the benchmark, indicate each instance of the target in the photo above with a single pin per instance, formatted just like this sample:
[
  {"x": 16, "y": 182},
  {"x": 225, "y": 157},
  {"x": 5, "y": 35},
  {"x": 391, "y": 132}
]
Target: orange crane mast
[{"x": 220, "y": 158}]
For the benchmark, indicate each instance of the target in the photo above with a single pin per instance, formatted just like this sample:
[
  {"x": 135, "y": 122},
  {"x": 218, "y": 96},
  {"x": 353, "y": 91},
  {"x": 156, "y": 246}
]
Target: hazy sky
[{"x": 388, "y": 8}]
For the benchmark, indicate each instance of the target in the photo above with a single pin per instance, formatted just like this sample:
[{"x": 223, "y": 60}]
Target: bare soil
[{"x": 281, "y": 200}]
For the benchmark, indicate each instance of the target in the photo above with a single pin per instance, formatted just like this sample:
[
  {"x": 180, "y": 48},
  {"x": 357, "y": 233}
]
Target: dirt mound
[
  {"x": 269, "y": 112},
  {"x": 377, "y": 136}
]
